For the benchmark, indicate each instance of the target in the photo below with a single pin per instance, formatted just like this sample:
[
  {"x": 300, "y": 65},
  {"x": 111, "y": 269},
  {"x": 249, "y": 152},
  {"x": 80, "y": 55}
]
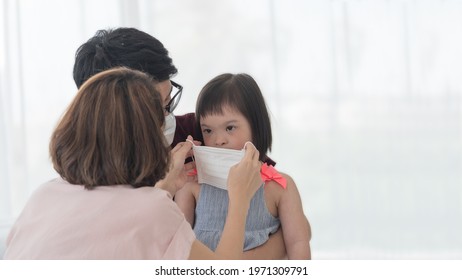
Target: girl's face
[{"x": 230, "y": 130}]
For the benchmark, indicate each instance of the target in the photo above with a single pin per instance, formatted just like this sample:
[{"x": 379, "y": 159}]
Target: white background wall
[{"x": 365, "y": 99}]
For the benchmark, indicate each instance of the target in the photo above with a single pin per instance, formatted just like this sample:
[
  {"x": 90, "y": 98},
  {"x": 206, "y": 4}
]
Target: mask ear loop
[
  {"x": 187, "y": 140},
  {"x": 248, "y": 142}
]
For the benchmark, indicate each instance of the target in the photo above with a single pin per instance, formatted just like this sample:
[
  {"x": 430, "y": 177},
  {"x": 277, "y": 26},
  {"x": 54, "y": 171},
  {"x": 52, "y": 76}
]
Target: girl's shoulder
[
  {"x": 194, "y": 188},
  {"x": 190, "y": 189},
  {"x": 277, "y": 184}
]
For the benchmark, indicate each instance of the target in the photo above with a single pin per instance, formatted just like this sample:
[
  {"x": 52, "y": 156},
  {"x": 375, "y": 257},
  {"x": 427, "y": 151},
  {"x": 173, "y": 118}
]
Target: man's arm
[{"x": 273, "y": 249}]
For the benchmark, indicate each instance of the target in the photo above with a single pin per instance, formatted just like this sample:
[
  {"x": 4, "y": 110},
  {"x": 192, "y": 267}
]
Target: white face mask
[
  {"x": 213, "y": 164},
  {"x": 169, "y": 128}
]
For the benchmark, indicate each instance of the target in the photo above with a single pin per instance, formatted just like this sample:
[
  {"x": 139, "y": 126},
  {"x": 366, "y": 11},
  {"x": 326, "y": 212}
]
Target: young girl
[{"x": 231, "y": 111}]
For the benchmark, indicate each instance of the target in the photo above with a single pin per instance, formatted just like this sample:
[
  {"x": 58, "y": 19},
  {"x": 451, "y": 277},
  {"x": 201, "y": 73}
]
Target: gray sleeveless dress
[{"x": 210, "y": 217}]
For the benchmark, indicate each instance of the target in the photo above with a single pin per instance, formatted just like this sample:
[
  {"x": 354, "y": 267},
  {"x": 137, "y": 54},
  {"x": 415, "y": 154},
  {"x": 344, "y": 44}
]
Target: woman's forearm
[{"x": 232, "y": 239}]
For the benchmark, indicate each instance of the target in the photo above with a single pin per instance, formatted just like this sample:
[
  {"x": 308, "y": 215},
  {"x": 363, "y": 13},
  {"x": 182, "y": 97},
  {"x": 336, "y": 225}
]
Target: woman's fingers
[
  {"x": 251, "y": 152},
  {"x": 244, "y": 178},
  {"x": 181, "y": 151},
  {"x": 182, "y": 147}
]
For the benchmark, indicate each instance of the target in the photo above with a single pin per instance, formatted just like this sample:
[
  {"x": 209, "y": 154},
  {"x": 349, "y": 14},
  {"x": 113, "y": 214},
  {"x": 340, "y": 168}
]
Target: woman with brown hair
[{"x": 118, "y": 177}]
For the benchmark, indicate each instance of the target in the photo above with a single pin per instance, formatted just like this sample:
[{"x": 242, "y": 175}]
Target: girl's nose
[{"x": 220, "y": 140}]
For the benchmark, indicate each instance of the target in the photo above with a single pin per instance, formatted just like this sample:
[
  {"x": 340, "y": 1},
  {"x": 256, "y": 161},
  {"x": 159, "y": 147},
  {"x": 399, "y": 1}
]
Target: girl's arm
[
  {"x": 295, "y": 225},
  {"x": 186, "y": 201}
]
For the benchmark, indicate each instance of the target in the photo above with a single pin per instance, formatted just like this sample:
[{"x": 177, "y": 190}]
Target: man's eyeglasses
[{"x": 177, "y": 90}]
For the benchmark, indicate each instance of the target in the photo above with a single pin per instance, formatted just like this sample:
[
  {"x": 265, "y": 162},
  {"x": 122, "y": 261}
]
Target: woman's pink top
[{"x": 64, "y": 221}]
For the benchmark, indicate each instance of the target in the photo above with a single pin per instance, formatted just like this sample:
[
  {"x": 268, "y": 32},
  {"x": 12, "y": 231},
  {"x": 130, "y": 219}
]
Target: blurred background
[{"x": 365, "y": 99}]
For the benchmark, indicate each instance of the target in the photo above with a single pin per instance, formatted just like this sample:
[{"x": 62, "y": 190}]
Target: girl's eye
[
  {"x": 230, "y": 128},
  {"x": 206, "y": 130}
]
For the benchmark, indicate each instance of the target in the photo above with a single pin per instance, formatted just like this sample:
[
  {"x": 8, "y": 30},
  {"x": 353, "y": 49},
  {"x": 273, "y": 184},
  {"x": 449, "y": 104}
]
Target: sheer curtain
[{"x": 365, "y": 99}]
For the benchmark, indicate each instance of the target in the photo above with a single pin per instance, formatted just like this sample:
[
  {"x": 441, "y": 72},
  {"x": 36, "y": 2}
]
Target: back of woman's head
[
  {"x": 241, "y": 93},
  {"x": 128, "y": 47},
  {"x": 111, "y": 134}
]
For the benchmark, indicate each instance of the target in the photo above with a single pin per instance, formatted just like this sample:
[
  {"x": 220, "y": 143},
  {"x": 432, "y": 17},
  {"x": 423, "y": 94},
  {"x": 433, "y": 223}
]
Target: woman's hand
[
  {"x": 244, "y": 178},
  {"x": 177, "y": 174}
]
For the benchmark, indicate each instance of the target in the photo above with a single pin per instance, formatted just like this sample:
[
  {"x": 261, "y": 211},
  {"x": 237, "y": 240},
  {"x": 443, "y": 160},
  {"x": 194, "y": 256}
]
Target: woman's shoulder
[{"x": 156, "y": 199}]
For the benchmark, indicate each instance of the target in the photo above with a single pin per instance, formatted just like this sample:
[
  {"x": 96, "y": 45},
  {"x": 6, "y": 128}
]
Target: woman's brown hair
[{"x": 111, "y": 134}]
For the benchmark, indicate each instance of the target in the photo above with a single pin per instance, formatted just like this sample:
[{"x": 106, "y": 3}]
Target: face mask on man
[
  {"x": 169, "y": 128},
  {"x": 213, "y": 164}
]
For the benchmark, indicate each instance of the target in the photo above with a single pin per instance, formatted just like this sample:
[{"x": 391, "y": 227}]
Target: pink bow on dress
[{"x": 269, "y": 173}]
